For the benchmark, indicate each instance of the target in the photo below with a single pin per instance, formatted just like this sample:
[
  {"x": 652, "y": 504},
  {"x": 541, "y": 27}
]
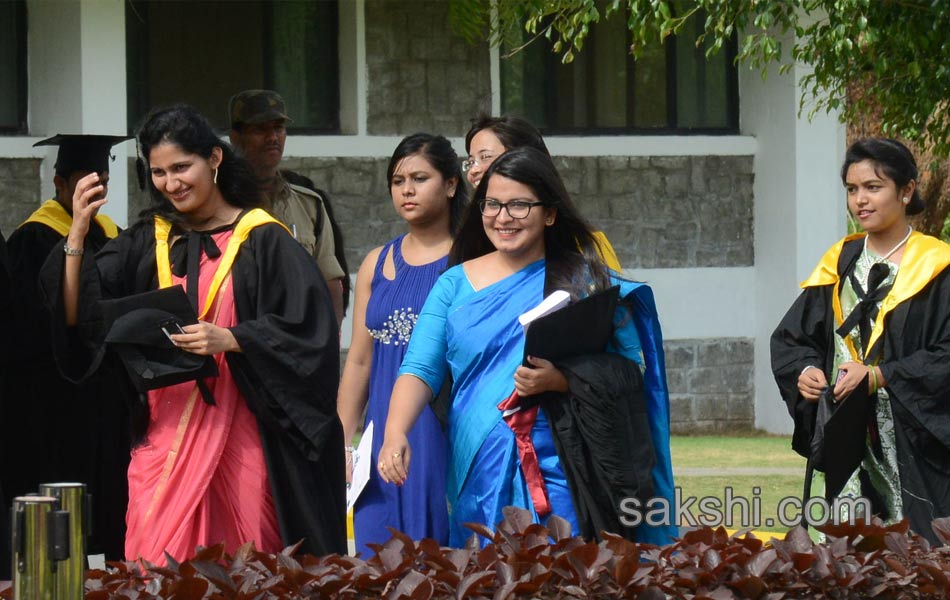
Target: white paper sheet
[{"x": 362, "y": 457}]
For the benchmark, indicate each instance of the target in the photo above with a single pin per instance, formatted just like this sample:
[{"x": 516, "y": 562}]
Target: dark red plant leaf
[
  {"x": 459, "y": 558},
  {"x": 214, "y": 573},
  {"x": 941, "y": 529},
  {"x": 700, "y": 535},
  {"x": 802, "y": 561},
  {"x": 895, "y": 565},
  {"x": 290, "y": 550},
  {"x": 286, "y": 563},
  {"x": 721, "y": 593},
  {"x": 435, "y": 557},
  {"x": 573, "y": 590},
  {"x": 558, "y": 527},
  {"x": 487, "y": 557},
  {"x": 481, "y": 530},
  {"x": 472, "y": 583},
  {"x": 414, "y": 586},
  {"x": 797, "y": 540},
  {"x": 711, "y": 559},
  {"x": 652, "y": 593},
  {"x": 189, "y": 589},
  {"x": 517, "y": 518},
  {"x": 391, "y": 559},
  {"x": 505, "y": 591},
  {"x": 625, "y": 568},
  {"x": 898, "y": 544},
  {"x": 447, "y": 577},
  {"x": 505, "y": 574},
  {"x": 171, "y": 563},
  {"x": 935, "y": 572},
  {"x": 586, "y": 554},
  {"x": 210, "y": 553},
  {"x": 750, "y": 587},
  {"x": 760, "y": 562}
]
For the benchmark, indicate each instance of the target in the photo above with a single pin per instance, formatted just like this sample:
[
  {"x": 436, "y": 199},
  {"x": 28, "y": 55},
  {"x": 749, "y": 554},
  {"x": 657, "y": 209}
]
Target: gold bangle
[{"x": 873, "y": 379}]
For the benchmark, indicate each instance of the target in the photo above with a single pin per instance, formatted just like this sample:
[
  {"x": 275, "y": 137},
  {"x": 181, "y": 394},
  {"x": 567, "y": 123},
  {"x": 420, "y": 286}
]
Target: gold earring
[{"x": 216, "y": 176}]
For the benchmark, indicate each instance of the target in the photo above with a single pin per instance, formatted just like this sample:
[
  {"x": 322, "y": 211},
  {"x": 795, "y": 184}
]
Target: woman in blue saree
[{"x": 522, "y": 238}]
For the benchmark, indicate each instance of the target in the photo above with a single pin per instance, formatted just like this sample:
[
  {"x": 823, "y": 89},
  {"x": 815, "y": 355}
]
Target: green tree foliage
[{"x": 890, "y": 58}]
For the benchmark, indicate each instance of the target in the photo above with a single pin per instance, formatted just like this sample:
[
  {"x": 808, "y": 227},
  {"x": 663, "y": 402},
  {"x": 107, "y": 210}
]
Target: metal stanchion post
[
  {"x": 37, "y": 523},
  {"x": 70, "y": 574}
]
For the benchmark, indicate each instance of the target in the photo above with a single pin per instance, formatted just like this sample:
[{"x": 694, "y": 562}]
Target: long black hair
[
  {"x": 570, "y": 249},
  {"x": 188, "y": 129},
  {"x": 439, "y": 153},
  {"x": 893, "y": 158}
]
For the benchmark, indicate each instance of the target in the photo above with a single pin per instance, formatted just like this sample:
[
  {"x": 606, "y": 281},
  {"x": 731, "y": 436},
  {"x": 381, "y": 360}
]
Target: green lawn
[{"x": 723, "y": 452}]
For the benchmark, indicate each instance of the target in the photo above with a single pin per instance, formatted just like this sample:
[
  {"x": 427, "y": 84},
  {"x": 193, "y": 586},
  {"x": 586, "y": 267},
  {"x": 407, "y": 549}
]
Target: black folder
[
  {"x": 138, "y": 328},
  {"x": 584, "y": 327}
]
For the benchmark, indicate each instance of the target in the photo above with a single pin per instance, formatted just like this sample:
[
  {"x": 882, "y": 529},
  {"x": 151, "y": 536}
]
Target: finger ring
[{"x": 396, "y": 455}]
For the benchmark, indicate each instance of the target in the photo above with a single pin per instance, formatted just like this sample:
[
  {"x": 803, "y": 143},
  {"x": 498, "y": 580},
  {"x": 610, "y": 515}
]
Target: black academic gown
[
  {"x": 914, "y": 353},
  {"x": 5, "y": 293},
  {"x": 288, "y": 370},
  {"x": 602, "y": 434},
  {"x": 55, "y": 430}
]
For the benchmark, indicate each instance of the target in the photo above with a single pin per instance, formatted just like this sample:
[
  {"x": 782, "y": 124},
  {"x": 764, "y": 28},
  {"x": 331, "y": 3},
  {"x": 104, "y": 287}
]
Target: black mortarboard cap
[
  {"x": 137, "y": 331},
  {"x": 80, "y": 152},
  {"x": 840, "y": 441}
]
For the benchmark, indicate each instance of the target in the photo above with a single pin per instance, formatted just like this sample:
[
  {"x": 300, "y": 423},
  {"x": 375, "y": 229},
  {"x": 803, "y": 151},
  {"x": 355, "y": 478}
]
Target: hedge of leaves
[{"x": 526, "y": 560}]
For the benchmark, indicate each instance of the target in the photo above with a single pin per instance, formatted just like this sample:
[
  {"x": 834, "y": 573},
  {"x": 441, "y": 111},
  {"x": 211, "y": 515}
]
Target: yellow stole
[
  {"x": 242, "y": 230},
  {"x": 924, "y": 258},
  {"x": 52, "y": 214}
]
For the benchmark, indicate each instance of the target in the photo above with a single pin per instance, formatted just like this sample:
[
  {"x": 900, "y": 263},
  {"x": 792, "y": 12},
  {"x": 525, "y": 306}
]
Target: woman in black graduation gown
[
  {"x": 202, "y": 472},
  {"x": 876, "y": 314}
]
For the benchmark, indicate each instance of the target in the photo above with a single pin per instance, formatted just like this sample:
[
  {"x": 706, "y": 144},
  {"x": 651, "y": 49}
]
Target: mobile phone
[{"x": 171, "y": 327}]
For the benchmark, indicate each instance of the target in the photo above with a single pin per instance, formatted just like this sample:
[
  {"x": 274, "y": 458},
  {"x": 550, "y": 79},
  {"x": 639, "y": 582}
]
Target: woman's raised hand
[
  {"x": 88, "y": 198},
  {"x": 394, "y": 458}
]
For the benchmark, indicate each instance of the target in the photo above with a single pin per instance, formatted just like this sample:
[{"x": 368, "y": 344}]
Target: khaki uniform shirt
[{"x": 296, "y": 207}]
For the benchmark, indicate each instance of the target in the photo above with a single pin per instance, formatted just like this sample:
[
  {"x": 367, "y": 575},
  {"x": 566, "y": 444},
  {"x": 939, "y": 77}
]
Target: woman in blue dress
[
  {"x": 522, "y": 238},
  {"x": 425, "y": 183}
]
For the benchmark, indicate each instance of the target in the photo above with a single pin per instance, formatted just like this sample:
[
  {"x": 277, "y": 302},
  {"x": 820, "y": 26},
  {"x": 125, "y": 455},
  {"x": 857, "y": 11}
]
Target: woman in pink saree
[{"x": 254, "y": 454}]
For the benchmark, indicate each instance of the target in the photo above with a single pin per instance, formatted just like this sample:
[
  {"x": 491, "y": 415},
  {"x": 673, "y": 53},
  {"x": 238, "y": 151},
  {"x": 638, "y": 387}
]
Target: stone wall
[
  {"x": 656, "y": 211},
  {"x": 668, "y": 211},
  {"x": 421, "y": 77},
  {"x": 19, "y": 190},
  {"x": 711, "y": 384}
]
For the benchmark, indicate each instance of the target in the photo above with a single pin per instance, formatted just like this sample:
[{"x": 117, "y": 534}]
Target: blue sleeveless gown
[{"x": 418, "y": 507}]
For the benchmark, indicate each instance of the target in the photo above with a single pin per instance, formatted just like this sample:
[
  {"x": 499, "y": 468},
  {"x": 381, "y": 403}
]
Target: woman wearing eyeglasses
[
  {"x": 490, "y": 137},
  {"x": 873, "y": 319},
  {"x": 521, "y": 239}
]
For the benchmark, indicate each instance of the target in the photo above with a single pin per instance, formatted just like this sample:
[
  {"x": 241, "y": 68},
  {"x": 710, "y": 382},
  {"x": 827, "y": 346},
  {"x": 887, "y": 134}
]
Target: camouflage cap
[{"x": 256, "y": 106}]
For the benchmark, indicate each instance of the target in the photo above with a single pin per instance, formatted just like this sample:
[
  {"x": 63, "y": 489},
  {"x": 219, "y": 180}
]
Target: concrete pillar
[
  {"x": 76, "y": 52},
  {"x": 799, "y": 209}
]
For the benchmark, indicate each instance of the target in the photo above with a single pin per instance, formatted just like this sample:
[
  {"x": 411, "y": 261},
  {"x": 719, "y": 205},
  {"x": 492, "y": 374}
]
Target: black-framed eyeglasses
[
  {"x": 471, "y": 163},
  {"x": 517, "y": 209}
]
